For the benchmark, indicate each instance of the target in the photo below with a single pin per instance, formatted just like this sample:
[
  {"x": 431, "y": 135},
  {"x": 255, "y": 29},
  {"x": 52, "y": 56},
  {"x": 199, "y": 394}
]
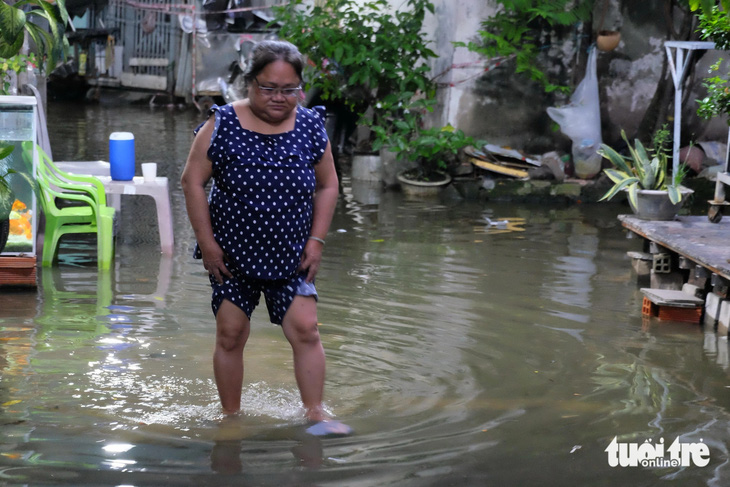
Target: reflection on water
[{"x": 468, "y": 343}]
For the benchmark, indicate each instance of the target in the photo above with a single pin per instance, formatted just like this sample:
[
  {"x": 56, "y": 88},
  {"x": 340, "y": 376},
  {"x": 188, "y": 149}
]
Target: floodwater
[{"x": 462, "y": 353}]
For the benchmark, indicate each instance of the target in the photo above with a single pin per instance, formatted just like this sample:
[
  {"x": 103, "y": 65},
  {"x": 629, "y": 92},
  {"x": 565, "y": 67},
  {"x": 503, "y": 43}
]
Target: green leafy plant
[
  {"x": 523, "y": 29},
  {"x": 707, "y": 5},
  {"x": 717, "y": 100},
  {"x": 15, "y": 64},
  {"x": 714, "y": 26},
  {"x": 362, "y": 53},
  {"x": 19, "y": 20},
  {"x": 433, "y": 149},
  {"x": 643, "y": 169}
]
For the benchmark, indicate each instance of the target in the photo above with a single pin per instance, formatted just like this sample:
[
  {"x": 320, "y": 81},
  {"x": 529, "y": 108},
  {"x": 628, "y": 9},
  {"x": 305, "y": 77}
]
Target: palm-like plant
[{"x": 644, "y": 169}]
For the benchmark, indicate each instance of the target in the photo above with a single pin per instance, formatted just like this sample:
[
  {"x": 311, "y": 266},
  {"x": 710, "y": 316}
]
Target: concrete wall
[{"x": 505, "y": 108}]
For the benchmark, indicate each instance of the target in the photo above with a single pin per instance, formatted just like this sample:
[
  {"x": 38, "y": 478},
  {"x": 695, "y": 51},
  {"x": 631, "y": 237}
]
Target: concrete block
[
  {"x": 722, "y": 330},
  {"x": 662, "y": 263},
  {"x": 641, "y": 263},
  {"x": 692, "y": 290},
  {"x": 366, "y": 167},
  {"x": 699, "y": 282},
  {"x": 685, "y": 263},
  {"x": 566, "y": 189},
  {"x": 672, "y": 280},
  {"x": 655, "y": 248},
  {"x": 723, "y": 322},
  {"x": 708, "y": 322},
  {"x": 712, "y": 307},
  {"x": 723, "y": 354}
]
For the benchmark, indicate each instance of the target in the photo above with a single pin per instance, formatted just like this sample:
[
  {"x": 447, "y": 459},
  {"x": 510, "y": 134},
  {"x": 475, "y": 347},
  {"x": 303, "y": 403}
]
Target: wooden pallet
[{"x": 18, "y": 271}]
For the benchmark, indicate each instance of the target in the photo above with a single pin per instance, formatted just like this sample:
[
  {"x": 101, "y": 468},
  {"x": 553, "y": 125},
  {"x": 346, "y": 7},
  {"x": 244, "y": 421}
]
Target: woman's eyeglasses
[{"x": 271, "y": 92}]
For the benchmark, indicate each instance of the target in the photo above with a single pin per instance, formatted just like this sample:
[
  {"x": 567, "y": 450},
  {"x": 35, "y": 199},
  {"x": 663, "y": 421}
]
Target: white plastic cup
[{"x": 149, "y": 171}]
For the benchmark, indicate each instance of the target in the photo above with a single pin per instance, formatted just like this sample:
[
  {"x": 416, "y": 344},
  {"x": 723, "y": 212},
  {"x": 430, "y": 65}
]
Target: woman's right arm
[{"x": 198, "y": 171}]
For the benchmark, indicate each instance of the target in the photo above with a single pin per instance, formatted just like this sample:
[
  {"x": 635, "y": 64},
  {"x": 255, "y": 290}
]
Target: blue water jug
[{"x": 121, "y": 156}]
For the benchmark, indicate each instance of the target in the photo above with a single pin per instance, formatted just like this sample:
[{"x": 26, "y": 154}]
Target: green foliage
[
  {"x": 361, "y": 53},
  {"x": 714, "y": 26},
  {"x": 19, "y": 19},
  {"x": 643, "y": 169},
  {"x": 717, "y": 101},
  {"x": 707, "y": 5},
  {"x": 523, "y": 28},
  {"x": 16, "y": 64}
]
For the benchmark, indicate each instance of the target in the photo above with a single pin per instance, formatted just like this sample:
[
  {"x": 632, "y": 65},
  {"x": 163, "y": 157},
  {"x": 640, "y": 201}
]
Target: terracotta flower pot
[{"x": 607, "y": 40}]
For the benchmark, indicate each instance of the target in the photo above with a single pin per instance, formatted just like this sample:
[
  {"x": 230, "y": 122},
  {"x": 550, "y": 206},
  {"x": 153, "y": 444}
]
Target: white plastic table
[{"x": 157, "y": 189}]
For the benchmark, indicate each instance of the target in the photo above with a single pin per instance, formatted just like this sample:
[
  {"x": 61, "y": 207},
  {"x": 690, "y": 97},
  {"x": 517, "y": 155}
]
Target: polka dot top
[{"x": 262, "y": 193}]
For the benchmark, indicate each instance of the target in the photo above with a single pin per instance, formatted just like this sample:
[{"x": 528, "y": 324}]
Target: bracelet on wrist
[{"x": 317, "y": 239}]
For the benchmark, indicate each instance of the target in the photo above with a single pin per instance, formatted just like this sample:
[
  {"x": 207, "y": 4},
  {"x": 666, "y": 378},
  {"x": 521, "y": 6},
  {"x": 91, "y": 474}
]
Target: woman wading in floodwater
[{"x": 263, "y": 228}]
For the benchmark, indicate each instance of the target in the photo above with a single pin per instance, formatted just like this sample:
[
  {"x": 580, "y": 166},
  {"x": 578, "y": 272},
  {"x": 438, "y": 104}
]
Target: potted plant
[
  {"x": 431, "y": 152},
  {"x": 653, "y": 193}
]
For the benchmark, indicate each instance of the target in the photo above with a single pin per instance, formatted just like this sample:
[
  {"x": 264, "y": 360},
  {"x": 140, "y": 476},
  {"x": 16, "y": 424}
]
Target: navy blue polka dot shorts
[{"x": 245, "y": 292}]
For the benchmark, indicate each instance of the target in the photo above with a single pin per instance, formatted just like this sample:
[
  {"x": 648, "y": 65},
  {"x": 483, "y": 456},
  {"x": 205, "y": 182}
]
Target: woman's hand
[
  {"x": 325, "y": 200},
  {"x": 198, "y": 171},
  {"x": 214, "y": 261},
  {"x": 311, "y": 258}
]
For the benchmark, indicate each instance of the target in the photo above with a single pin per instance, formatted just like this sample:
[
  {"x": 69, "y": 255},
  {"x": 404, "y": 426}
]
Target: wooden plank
[
  {"x": 694, "y": 237},
  {"x": 155, "y": 62},
  {"x": 499, "y": 169},
  {"x": 18, "y": 271},
  {"x": 146, "y": 81}
]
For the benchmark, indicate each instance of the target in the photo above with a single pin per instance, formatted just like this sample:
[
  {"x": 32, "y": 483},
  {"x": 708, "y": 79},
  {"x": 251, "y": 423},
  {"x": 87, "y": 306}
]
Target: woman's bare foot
[{"x": 329, "y": 427}]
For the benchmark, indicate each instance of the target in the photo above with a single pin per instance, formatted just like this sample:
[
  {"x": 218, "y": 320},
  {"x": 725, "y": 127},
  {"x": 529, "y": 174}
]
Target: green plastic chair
[{"x": 86, "y": 213}]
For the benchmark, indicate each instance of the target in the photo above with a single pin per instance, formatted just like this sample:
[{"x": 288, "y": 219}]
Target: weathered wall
[{"x": 505, "y": 108}]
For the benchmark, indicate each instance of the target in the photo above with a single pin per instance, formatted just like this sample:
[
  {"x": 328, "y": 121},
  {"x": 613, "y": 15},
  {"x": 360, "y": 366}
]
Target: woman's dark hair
[{"x": 268, "y": 51}]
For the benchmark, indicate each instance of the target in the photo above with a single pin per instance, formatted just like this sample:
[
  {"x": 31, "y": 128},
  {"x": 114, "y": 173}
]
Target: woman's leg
[
  {"x": 232, "y": 330},
  {"x": 300, "y": 329}
]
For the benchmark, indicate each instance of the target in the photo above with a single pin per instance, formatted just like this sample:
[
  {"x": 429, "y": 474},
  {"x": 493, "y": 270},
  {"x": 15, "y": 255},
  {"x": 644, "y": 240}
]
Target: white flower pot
[
  {"x": 419, "y": 189},
  {"x": 652, "y": 204}
]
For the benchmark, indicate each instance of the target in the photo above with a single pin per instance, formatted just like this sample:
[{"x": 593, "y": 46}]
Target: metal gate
[{"x": 148, "y": 42}]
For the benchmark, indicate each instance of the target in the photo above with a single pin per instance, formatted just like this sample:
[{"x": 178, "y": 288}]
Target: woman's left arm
[{"x": 326, "y": 193}]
